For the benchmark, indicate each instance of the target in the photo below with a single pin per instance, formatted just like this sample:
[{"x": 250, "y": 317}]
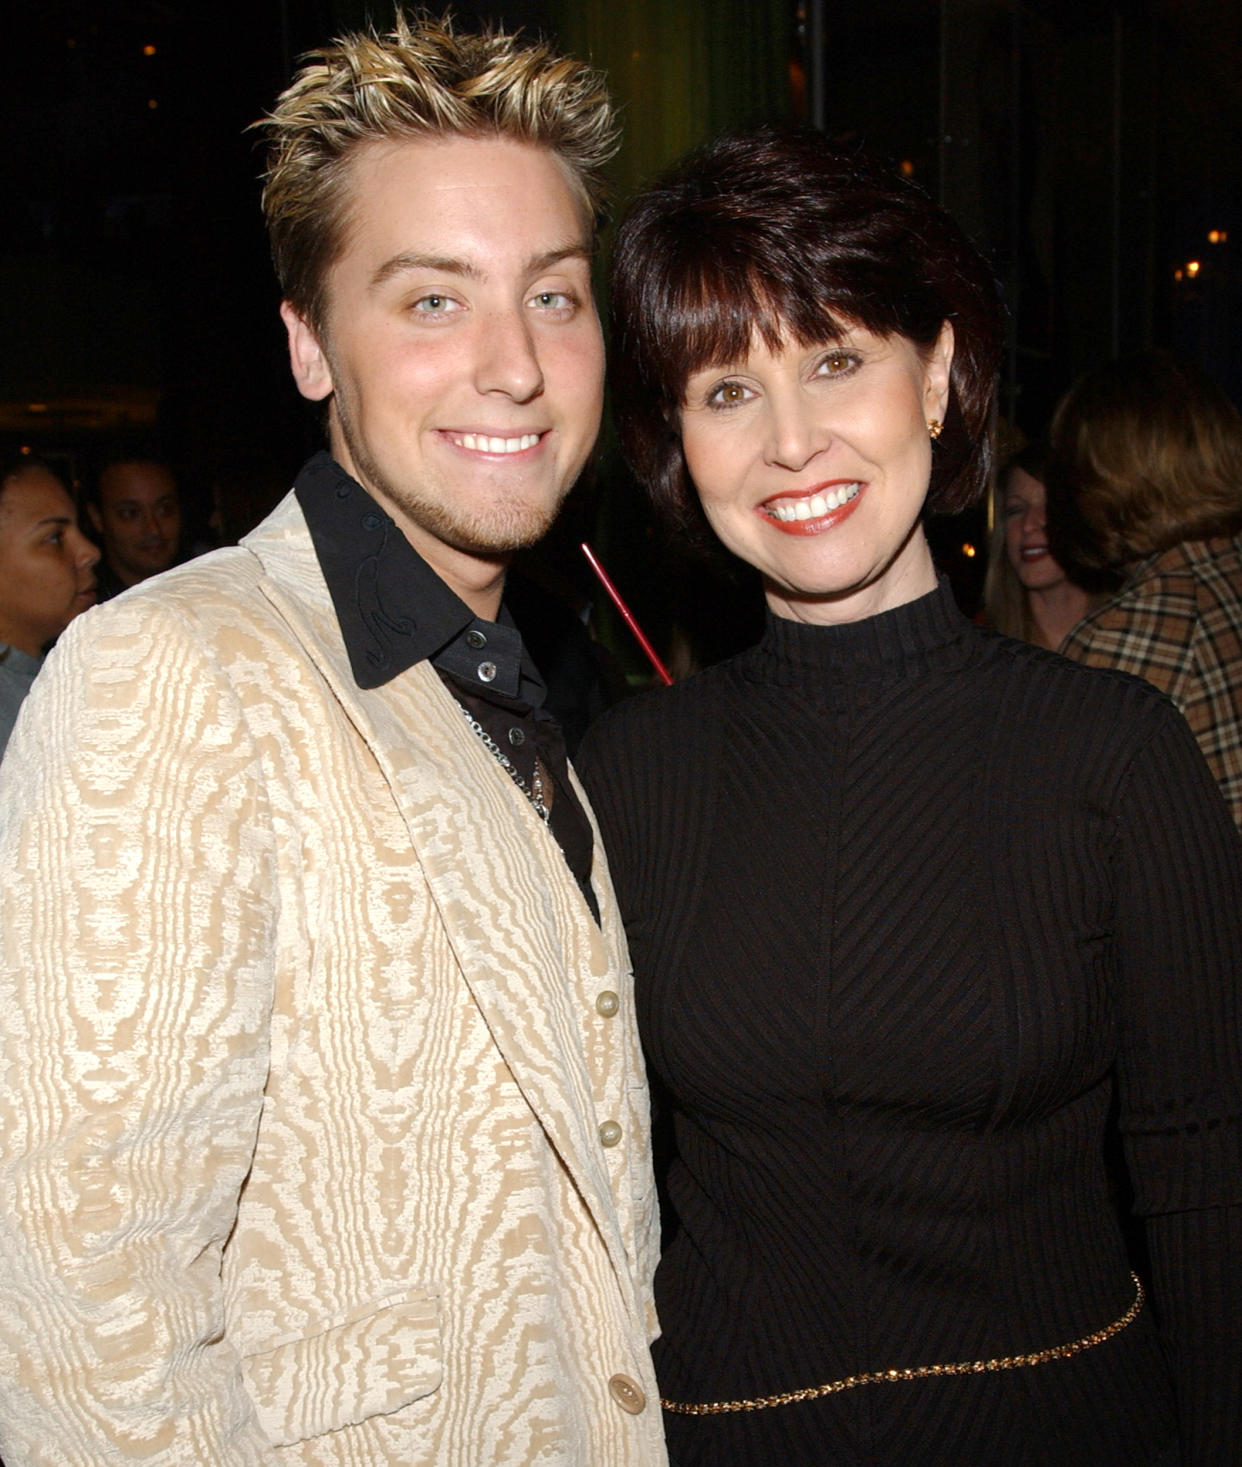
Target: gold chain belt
[{"x": 917, "y": 1372}]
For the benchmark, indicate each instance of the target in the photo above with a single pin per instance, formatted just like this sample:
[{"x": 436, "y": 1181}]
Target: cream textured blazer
[{"x": 308, "y": 1040}]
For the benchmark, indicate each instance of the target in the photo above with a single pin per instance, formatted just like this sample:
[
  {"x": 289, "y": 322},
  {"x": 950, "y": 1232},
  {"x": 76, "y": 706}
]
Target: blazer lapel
[{"x": 526, "y": 943}]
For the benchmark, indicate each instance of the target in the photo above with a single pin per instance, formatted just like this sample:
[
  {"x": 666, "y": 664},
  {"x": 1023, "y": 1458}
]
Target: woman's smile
[{"x": 815, "y": 510}]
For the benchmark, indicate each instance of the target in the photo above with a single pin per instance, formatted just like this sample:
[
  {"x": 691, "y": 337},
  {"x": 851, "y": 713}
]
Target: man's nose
[{"x": 508, "y": 359}]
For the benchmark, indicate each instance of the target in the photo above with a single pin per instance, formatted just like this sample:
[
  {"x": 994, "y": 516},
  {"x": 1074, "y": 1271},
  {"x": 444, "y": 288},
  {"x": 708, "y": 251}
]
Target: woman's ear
[
  {"x": 307, "y": 357},
  {"x": 938, "y": 369}
]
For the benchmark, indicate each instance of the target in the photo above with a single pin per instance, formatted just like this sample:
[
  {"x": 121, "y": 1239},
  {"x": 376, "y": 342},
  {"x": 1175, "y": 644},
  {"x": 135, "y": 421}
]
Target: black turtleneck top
[{"x": 917, "y": 913}]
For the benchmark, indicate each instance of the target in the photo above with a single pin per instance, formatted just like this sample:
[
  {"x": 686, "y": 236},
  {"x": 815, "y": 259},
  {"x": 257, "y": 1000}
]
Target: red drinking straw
[{"x": 627, "y": 614}]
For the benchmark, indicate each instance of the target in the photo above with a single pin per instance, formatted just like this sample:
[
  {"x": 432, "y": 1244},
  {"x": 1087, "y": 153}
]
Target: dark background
[{"x": 1090, "y": 146}]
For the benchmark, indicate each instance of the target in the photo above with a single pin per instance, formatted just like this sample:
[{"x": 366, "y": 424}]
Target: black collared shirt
[{"x": 395, "y": 611}]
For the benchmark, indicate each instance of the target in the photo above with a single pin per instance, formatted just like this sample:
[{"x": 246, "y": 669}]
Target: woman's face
[
  {"x": 47, "y": 566},
  {"x": 1026, "y": 536},
  {"x": 812, "y": 464}
]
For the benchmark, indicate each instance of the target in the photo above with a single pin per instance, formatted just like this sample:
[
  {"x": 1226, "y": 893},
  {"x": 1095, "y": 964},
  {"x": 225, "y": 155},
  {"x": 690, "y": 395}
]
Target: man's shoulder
[{"x": 221, "y": 586}]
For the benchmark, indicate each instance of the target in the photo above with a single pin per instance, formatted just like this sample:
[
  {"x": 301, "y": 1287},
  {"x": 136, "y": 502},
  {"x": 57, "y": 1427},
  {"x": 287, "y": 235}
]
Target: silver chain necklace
[{"x": 532, "y": 791}]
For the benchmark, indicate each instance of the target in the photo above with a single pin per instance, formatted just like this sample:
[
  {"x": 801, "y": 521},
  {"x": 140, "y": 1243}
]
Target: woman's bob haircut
[
  {"x": 777, "y": 233},
  {"x": 1146, "y": 453}
]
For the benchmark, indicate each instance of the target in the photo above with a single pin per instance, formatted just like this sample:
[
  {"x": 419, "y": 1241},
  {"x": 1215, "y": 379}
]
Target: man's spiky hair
[{"x": 421, "y": 80}]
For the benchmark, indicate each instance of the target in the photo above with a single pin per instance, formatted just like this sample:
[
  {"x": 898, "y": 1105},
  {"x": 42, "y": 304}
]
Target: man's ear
[
  {"x": 306, "y": 356},
  {"x": 939, "y": 365}
]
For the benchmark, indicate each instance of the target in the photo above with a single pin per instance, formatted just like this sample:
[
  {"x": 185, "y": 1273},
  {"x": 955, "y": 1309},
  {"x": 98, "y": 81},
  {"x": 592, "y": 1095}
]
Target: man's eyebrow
[{"x": 410, "y": 260}]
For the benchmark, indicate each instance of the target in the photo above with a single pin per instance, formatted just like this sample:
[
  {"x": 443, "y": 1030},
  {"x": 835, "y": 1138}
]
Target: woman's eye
[
  {"x": 838, "y": 363},
  {"x": 728, "y": 394}
]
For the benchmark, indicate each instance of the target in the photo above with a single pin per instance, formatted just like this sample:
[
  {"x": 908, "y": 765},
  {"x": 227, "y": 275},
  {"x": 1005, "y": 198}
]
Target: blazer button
[
  {"x": 607, "y": 1003},
  {"x": 609, "y": 1133},
  {"x": 627, "y": 1394}
]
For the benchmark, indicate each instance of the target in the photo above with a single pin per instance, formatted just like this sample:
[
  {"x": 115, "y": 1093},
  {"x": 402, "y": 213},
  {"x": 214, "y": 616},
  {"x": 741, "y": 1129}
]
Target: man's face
[
  {"x": 47, "y": 566},
  {"x": 138, "y": 518},
  {"x": 462, "y": 349}
]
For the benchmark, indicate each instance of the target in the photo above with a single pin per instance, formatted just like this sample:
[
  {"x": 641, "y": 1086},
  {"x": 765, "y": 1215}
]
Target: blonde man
[{"x": 323, "y": 1126}]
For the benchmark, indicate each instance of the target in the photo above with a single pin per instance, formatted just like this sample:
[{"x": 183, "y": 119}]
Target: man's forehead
[
  {"x": 461, "y": 177},
  {"x": 137, "y": 481}
]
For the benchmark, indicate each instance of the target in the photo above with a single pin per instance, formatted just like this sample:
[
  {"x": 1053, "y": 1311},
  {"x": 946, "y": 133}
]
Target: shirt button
[
  {"x": 475, "y": 638},
  {"x": 607, "y": 1003},
  {"x": 627, "y": 1394},
  {"x": 371, "y": 522},
  {"x": 609, "y": 1133},
  {"x": 487, "y": 671},
  {"x": 516, "y": 737}
]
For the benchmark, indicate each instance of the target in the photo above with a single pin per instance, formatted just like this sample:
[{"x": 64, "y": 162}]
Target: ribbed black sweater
[{"x": 913, "y": 908}]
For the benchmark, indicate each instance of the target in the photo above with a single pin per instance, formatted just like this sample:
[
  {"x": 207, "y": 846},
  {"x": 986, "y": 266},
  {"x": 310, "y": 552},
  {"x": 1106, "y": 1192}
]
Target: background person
[
  {"x": 1026, "y": 593},
  {"x": 1145, "y": 501},
  {"x": 911, "y": 906},
  {"x": 136, "y": 513},
  {"x": 325, "y": 1133},
  {"x": 47, "y": 575}
]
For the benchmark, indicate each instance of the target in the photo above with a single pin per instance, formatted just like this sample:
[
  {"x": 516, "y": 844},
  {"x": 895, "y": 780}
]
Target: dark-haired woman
[{"x": 913, "y": 907}]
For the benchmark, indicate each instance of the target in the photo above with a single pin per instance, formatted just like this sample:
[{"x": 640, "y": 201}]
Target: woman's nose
[{"x": 795, "y": 435}]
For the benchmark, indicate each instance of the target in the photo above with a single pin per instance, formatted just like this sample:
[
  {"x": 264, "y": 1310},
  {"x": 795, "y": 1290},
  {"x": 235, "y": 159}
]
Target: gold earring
[{"x": 935, "y": 428}]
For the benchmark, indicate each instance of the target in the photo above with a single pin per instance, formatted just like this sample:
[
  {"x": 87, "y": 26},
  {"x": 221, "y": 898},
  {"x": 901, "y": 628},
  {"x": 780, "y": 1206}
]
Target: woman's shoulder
[
  {"x": 1071, "y": 709},
  {"x": 653, "y": 724}
]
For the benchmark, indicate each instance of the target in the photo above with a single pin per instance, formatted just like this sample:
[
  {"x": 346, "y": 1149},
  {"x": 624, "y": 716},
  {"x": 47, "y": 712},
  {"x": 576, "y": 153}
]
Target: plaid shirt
[{"x": 1178, "y": 623}]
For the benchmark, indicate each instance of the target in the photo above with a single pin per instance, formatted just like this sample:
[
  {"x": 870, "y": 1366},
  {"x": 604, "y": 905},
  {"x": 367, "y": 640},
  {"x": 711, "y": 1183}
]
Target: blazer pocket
[{"x": 371, "y": 1363}]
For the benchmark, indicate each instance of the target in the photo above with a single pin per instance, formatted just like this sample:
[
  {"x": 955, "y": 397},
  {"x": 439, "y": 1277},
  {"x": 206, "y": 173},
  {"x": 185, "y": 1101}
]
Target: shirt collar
[{"x": 393, "y": 609}]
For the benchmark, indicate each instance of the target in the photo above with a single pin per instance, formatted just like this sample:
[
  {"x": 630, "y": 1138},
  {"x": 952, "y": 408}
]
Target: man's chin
[{"x": 500, "y": 541}]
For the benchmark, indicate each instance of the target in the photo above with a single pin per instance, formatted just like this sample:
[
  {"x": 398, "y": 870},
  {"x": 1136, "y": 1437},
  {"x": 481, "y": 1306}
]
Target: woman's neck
[{"x": 1056, "y": 609}]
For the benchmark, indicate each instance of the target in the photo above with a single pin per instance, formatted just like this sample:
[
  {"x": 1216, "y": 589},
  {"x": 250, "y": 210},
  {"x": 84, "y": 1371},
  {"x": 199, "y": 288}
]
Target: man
[
  {"x": 47, "y": 576},
  {"x": 136, "y": 512},
  {"x": 324, "y": 1128}
]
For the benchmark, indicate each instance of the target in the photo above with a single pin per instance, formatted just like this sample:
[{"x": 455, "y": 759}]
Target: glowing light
[
  {"x": 148, "y": 50},
  {"x": 1217, "y": 236},
  {"x": 1192, "y": 268},
  {"x": 152, "y": 103},
  {"x": 36, "y": 407},
  {"x": 969, "y": 551},
  {"x": 1178, "y": 274},
  {"x": 907, "y": 168}
]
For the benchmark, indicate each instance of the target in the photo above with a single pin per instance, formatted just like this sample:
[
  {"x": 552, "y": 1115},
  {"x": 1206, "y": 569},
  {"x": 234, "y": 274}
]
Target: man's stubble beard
[{"x": 489, "y": 541}]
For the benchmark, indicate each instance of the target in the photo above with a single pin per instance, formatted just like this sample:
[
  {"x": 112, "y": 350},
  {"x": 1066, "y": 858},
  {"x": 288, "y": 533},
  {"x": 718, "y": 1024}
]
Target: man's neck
[{"x": 126, "y": 578}]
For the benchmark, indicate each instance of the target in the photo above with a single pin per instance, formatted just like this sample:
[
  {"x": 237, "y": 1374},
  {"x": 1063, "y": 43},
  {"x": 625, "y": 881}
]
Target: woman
[
  {"x": 1145, "y": 479},
  {"x": 910, "y": 904},
  {"x": 1027, "y": 593},
  {"x": 47, "y": 575}
]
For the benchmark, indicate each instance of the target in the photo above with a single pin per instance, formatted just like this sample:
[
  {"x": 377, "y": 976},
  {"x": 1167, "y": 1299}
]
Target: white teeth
[
  {"x": 814, "y": 507},
  {"x": 480, "y": 443}
]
